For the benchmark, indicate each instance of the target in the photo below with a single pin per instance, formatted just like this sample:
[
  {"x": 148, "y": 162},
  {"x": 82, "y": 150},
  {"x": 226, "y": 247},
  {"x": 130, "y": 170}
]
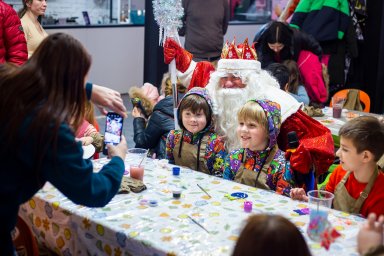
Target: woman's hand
[
  {"x": 104, "y": 97},
  {"x": 119, "y": 150}
]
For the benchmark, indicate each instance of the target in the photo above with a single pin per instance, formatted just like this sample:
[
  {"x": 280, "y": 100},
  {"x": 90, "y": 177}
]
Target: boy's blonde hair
[
  {"x": 252, "y": 111},
  {"x": 366, "y": 133}
]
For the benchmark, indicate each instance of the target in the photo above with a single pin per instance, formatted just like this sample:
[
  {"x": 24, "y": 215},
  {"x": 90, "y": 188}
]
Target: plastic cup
[
  {"x": 176, "y": 193},
  {"x": 337, "y": 106},
  {"x": 176, "y": 171},
  {"x": 136, "y": 172},
  {"x": 319, "y": 204},
  {"x": 137, "y": 156}
]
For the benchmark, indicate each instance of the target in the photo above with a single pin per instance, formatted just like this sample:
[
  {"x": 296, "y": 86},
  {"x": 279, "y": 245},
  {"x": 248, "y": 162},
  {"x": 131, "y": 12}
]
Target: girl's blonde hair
[
  {"x": 166, "y": 85},
  {"x": 89, "y": 112},
  {"x": 252, "y": 111}
]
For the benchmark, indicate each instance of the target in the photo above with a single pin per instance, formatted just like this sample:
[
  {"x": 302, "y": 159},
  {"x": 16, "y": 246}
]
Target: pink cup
[{"x": 136, "y": 172}]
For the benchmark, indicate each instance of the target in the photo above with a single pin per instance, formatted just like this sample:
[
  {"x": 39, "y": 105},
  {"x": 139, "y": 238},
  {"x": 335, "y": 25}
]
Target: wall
[
  {"x": 118, "y": 52},
  {"x": 98, "y": 10}
]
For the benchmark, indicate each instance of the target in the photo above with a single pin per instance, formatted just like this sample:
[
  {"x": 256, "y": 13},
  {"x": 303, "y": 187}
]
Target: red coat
[{"x": 13, "y": 47}]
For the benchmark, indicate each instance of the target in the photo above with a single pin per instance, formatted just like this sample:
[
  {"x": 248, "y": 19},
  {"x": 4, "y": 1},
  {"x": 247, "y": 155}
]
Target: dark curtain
[
  {"x": 154, "y": 66},
  {"x": 374, "y": 55}
]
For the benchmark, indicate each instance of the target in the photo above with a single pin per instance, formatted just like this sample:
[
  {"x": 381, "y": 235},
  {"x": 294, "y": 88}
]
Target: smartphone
[
  {"x": 113, "y": 130},
  {"x": 136, "y": 102}
]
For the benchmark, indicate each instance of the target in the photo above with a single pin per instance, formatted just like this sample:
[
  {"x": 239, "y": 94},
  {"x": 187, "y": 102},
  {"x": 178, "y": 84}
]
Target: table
[
  {"x": 124, "y": 227},
  {"x": 334, "y": 124}
]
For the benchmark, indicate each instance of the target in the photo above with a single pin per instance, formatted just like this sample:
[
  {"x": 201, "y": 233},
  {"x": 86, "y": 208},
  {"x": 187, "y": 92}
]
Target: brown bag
[{"x": 353, "y": 100}]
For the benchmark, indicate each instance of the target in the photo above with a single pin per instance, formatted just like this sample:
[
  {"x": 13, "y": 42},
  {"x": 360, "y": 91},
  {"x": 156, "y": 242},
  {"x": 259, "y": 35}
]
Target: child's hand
[
  {"x": 370, "y": 234},
  {"x": 119, "y": 150},
  {"x": 136, "y": 112},
  {"x": 85, "y": 141},
  {"x": 298, "y": 194}
]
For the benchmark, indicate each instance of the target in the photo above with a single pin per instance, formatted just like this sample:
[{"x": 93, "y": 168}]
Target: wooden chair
[
  {"x": 24, "y": 241},
  {"x": 364, "y": 98}
]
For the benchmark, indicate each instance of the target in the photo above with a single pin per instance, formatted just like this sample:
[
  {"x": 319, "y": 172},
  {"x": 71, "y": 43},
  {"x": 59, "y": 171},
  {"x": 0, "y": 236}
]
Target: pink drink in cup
[{"x": 136, "y": 171}]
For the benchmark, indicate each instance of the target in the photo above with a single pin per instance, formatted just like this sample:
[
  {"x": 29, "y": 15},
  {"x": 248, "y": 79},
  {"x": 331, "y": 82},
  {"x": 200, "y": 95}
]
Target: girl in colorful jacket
[
  {"x": 259, "y": 163},
  {"x": 195, "y": 145}
]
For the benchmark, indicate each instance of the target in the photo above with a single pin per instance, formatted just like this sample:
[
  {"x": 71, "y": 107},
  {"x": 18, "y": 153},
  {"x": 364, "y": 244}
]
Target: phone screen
[{"x": 113, "y": 130}]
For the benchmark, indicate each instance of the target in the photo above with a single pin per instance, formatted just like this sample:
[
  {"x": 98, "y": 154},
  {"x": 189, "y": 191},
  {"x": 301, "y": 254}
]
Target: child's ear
[
  {"x": 367, "y": 156},
  {"x": 286, "y": 87}
]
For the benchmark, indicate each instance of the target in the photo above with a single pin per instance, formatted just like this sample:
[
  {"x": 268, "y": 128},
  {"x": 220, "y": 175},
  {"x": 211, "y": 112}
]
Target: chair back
[
  {"x": 23, "y": 239},
  {"x": 363, "y": 96}
]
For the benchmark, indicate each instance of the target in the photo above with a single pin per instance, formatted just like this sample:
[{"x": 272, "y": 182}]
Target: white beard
[{"x": 233, "y": 100}]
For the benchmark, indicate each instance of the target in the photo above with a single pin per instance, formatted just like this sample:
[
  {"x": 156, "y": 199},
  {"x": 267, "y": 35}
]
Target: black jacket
[
  {"x": 299, "y": 41},
  {"x": 153, "y": 135}
]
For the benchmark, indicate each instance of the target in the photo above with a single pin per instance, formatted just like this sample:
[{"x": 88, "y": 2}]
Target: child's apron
[
  {"x": 344, "y": 202},
  {"x": 254, "y": 178},
  {"x": 192, "y": 156}
]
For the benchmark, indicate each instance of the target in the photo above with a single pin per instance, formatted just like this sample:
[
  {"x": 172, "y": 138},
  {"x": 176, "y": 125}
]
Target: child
[
  {"x": 88, "y": 132},
  {"x": 259, "y": 163},
  {"x": 270, "y": 235},
  {"x": 147, "y": 95},
  {"x": 153, "y": 134},
  {"x": 357, "y": 184},
  {"x": 196, "y": 146},
  {"x": 295, "y": 86},
  {"x": 288, "y": 78}
]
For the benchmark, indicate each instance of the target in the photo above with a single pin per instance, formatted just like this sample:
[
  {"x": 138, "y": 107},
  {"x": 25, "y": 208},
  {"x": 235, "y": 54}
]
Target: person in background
[
  {"x": 204, "y": 26},
  {"x": 280, "y": 73},
  {"x": 88, "y": 131},
  {"x": 153, "y": 134},
  {"x": 259, "y": 162},
  {"x": 195, "y": 145},
  {"x": 271, "y": 235},
  {"x": 295, "y": 86},
  {"x": 13, "y": 47},
  {"x": 279, "y": 42},
  {"x": 370, "y": 237},
  {"x": 144, "y": 98},
  {"x": 40, "y": 99},
  {"x": 34, "y": 32},
  {"x": 357, "y": 183}
]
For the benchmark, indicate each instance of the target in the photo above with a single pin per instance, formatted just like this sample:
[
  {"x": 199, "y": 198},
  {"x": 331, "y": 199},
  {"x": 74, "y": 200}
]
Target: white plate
[{"x": 88, "y": 151}]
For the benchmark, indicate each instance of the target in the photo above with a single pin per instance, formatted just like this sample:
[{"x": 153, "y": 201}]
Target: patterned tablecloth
[{"x": 125, "y": 227}]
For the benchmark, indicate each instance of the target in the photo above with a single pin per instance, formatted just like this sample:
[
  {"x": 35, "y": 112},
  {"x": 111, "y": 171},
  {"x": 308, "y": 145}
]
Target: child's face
[
  {"x": 252, "y": 135},
  {"x": 193, "y": 122},
  {"x": 350, "y": 160}
]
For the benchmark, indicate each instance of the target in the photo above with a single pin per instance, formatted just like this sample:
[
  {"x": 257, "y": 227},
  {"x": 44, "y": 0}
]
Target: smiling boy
[
  {"x": 259, "y": 162},
  {"x": 357, "y": 183}
]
